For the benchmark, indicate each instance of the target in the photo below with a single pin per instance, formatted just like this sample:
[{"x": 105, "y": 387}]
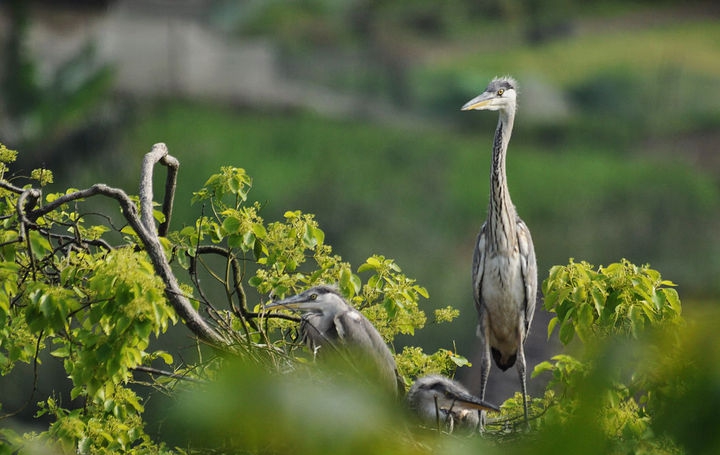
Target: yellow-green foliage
[
  {"x": 67, "y": 290},
  {"x": 606, "y": 388},
  {"x": 621, "y": 298}
]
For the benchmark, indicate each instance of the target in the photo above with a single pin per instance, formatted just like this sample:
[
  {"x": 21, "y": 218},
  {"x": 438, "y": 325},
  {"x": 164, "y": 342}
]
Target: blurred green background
[{"x": 349, "y": 109}]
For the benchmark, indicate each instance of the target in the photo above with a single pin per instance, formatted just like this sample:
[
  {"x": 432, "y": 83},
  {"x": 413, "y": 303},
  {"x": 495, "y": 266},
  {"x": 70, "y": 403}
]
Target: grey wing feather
[
  {"x": 316, "y": 331},
  {"x": 478, "y": 267},
  {"x": 356, "y": 330},
  {"x": 528, "y": 266}
]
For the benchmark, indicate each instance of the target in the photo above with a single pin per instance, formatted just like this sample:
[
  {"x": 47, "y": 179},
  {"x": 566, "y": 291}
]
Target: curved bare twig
[
  {"x": 158, "y": 154},
  {"x": 145, "y": 230}
]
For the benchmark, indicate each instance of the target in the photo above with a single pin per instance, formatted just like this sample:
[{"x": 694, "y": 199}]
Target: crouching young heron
[
  {"x": 329, "y": 323},
  {"x": 504, "y": 272},
  {"x": 445, "y": 403}
]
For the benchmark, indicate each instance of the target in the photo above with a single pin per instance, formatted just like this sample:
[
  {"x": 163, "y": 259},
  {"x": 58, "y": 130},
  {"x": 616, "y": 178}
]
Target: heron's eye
[
  {"x": 313, "y": 296},
  {"x": 500, "y": 92}
]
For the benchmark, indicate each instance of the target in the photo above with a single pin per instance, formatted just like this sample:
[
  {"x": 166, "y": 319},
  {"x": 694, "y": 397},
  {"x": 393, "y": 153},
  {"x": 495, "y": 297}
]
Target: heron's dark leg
[
  {"x": 484, "y": 365},
  {"x": 523, "y": 384}
]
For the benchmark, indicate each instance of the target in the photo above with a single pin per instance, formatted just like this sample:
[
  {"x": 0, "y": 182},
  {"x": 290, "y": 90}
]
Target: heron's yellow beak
[
  {"x": 291, "y": 303},
  {"x": 472, "y": 402},
  {"x": 482, "y": 407},
  {"x": 479, "y": 102}
]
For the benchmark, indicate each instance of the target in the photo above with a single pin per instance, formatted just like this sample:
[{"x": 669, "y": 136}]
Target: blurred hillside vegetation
[
  {"x": 607, "y": 161},
  {"x": 614, "y": 154}
]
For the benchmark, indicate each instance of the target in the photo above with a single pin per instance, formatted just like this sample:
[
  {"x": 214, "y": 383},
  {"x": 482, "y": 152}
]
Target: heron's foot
[
  {"x": 527, "y": 428},
  {"x": 482, "y": 415}
]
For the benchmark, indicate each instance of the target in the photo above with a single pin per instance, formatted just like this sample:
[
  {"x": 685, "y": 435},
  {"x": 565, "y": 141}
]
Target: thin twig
[
  {"x": 36, "y": 362},
  {"x": 169, "y": 374},
  {"x": 173, "y": 166},
  {"x": 241, "y": 309}
]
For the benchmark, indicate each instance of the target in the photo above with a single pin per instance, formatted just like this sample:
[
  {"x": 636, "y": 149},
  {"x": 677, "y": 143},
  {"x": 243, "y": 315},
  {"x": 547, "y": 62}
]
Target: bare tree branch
[
  {"x": 152, "y": 245},
  {"x": 158, "y": 154},
  {"x": 26, "y": 200},
  {"x": 10, "y": 187},
  {"x": 173, "y": 165}
]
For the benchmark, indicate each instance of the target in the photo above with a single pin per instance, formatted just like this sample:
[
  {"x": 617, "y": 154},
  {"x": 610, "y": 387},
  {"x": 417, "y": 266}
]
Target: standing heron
[
  {"x": 329, "y": 322},
  {"x": 504, "y": 270},
  {"x": 437, "y": 400}
]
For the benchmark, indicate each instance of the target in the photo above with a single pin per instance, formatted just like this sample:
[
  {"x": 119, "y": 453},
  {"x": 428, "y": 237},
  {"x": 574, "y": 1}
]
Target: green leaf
[
  {"x": 391, "y": 307},
  {"x": 373, "y": 262},
  {"x": 551, "y": 326},
  {"x": 459, "y": 360},
  {"x": 259, "y": 230},
  {"x": 583, "y": 323},
  {"x": 61, "y": 352},
  {"x": 235, "y": 241},
  {"x": 422, "y": 291},
  {"x": 167, "y": 357},
  {"x": 232, "y": 225},
  {"x": 40, "y": 245},
  {"x": 128, "y": 231},
  {"x": 567, "y": 331},
  {"x": 542, "y": 367}
]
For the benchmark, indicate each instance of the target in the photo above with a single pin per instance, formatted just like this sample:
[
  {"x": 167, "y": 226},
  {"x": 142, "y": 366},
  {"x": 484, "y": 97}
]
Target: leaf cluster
[
  {"x": 96, "y": 294},
  {"x": 621, "y": 298},
  {"x": 610, "y": 384}
]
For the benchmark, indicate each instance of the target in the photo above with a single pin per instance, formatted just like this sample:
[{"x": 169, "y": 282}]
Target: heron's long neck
[{"x": 501, "y": 213}]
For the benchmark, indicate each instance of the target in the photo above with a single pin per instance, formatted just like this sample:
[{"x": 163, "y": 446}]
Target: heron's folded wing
[
  {"x": 528, "y": 267},
  {"x": 358, "y": 332},
  {"x": 478, "y": 267}
]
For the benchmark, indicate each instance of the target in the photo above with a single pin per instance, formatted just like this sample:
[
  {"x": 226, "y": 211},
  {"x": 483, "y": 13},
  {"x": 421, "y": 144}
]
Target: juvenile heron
[
  {"x": 329, "y": 322},
  {"x": 504, "y": 272},
  {"x": 439, "y": 400}
]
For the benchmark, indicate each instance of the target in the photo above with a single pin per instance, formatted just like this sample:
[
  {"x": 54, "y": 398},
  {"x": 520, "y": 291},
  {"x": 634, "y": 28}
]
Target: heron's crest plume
[{"x": 504, "y": 82}]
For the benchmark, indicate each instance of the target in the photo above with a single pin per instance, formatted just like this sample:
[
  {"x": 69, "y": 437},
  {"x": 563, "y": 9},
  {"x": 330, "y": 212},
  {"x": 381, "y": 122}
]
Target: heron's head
[
  {"x": 500, "y": 94},
  {"x": 446, "y": 393},
  {"x": 319, "y": 299}
]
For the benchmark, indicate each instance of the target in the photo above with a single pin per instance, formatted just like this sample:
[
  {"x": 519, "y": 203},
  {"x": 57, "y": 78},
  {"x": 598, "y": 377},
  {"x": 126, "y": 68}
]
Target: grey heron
[
  {"x": 504, "y": 271},
  {"x": 329, "y": 322},
  {"x": 438, "y": 400}
]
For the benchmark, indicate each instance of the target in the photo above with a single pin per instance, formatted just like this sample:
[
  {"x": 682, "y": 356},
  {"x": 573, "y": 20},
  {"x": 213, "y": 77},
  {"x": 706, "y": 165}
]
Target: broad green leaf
[
  {"x": 567, "y": 331},
  {"x": 232, "y": 224},
  {"x": 259, "y": 230},
  {"x": 459, "y": 360},
  {"x": 551, "y": 326},
  {"x": 422, "y": 291},
  {"x": 167, "y": 357},
  {"x": 542, "y": 367},
  {"x": 39, "y": 244}
]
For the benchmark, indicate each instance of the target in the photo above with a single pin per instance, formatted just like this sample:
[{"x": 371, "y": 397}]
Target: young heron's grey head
[
  {"x": 329, "y": 323},
  {"x": 325, "y": 300},
  {"x": 500, "y": 95},
  {"x": 438, "y": 400}
]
